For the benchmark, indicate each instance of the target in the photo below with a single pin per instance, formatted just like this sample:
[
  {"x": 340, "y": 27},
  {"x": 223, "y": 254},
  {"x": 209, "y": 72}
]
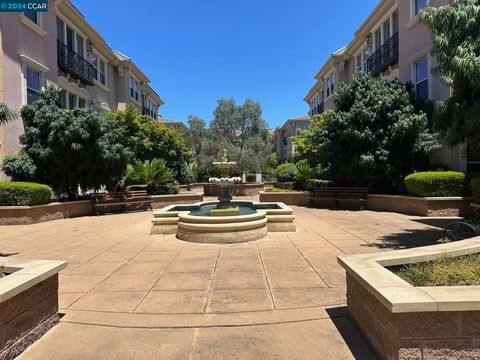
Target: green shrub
[
  {"x": 288, "y": 185},
  {"x": 167, "y": 189},
  {"x": 286, "y": 172},
  {"x": 476, "y": 189},
  {"x": 316, "y": 183},
  {"x": 440, "y": 183},
  {"x": 24, "y": 194}
]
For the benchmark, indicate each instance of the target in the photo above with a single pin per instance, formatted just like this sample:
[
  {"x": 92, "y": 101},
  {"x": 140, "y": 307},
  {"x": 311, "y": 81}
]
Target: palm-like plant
[
  {"x": 304, "y": 173},
  {"x": 149, "y": 173},
  {"x": 6, "y": 115}
]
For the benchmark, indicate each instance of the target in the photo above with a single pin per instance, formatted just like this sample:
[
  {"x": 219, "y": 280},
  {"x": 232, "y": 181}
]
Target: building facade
[
  {"x": 283, "y": 144},
  {"x": 391, "y": 44},
  {"x": 60, "y": 48}
]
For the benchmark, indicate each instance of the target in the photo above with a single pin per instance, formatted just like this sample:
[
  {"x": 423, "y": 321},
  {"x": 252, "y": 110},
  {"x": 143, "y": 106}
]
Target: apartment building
[
  {"x": 390, "y": 44},
  {"x": 283, "y": 145},
  {"x": 174, "y": 124},
  {"x": 60, "y": 48}
]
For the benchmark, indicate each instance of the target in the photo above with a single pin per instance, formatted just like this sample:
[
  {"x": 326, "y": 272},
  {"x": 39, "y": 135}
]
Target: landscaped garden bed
[
  {"x": 28, "y": 303},
  {"x": 403, "y": 321}
]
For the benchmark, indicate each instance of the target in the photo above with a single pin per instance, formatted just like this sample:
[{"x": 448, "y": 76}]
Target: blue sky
[{"x": 197, "y": 51}]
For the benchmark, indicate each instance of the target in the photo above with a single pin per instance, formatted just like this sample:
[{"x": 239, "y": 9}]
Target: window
[
  {"x": 421, "y": 79},
  {"x": 420, "y": 5},
  {"x": 70, "y": 37},
  {"x": 80, "y": 46},
  {"x": 81, "y": 103},
  {"x": 33, "y": 16},
  {"x": 386, "y": 31},
  {"x": 332, "y": 83},
  {"x": 33, "y": 85},
  {"x": 378, "y": 39},
  {"x": 60, "y": 31},
  {"x": 327, "y": 85},
  {"x": 395, "y": 23},
  {"x": 72, "y": 101},
  {"x": 136, "y": 89},
  {"x": 130, "y": 86},
  {"x": 63, "y": 98},
  {"x": 358, "y": 61},
  {"x": 103, "y": 73}
]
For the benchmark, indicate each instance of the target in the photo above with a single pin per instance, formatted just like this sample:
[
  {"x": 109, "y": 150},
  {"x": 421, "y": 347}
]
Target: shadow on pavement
[{"x": 350, "y": 334}]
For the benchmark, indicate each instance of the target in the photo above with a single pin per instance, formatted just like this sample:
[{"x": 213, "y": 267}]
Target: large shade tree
[
  {"x": 66, "y": 148},
  {"x": 455, "y": 30},
  {"x": 374, "y": 134},
  {"x": 240, "y": 129},
  {"x": 148, "y": 139}
]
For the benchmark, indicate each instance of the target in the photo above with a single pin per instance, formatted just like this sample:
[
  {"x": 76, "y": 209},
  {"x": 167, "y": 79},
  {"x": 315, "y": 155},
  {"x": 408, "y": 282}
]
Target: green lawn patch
[{"x": 444, "y": 271}]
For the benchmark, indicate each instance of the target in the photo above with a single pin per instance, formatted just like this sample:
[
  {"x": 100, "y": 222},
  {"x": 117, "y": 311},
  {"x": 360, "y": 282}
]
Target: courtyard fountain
[{"x": 223, "y": 221}]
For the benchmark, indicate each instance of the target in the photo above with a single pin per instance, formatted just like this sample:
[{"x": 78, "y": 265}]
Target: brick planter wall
[
  {"x": 453, "y": 335},
  {"x": 27, "y": 316},
  {"x": 430, "y": 206},
  {"x": 288, "y": 198}
]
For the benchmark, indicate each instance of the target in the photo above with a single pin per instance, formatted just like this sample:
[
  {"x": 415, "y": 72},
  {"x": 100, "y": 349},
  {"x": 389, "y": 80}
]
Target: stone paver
[{"x": 118, "y": 271}]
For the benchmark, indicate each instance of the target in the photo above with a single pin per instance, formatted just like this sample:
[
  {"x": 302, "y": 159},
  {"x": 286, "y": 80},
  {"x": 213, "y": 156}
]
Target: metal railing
[
  {"x": 72, "y": 63},
  {"x": 385, "y": 56}
]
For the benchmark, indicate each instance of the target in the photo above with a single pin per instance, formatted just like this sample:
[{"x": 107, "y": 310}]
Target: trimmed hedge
[
  {"x": 436, "y": 183},
  {"x": 476, "y": 189},
  {"x": 24, "y": 194}
]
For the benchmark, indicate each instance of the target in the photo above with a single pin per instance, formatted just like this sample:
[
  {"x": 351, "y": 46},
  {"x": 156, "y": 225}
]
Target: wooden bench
[
  {"x": 332, "y": 196},
  {"x": 122, "y": 202}
]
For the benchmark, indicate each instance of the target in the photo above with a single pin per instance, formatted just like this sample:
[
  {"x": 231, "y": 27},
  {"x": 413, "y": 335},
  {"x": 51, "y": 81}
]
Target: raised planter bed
[
  {"x": 401, "y": 321},
  {"x": 428, "y": 206},
  {"x": 298, "y": 198},
  {"x": 24, "y": 215},
  {"x": 28, "y": 303}
]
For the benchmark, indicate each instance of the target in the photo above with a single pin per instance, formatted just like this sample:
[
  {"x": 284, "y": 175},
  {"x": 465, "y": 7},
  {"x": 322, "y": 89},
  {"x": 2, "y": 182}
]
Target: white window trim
[
  {"x": 135, "y": 79},
  {"x": 106, "y": 86},
  {"x": 413, "y": 69},
  {"x": 36, "y": 28},
  {"x": 37, "y": 67},
  {"x": 414, "y": 19}
]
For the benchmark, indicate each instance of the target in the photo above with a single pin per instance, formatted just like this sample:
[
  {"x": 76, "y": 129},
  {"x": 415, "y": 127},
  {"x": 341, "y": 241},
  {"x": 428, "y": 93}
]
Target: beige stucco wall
[{"x": 21, "y": 40}]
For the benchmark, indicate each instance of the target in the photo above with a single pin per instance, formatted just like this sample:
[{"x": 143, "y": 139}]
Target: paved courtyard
[{"x": 129, "y": 295}]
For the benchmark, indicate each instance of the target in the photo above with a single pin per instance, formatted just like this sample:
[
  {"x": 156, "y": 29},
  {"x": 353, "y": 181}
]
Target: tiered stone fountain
[{"x": 223, "y": 221}]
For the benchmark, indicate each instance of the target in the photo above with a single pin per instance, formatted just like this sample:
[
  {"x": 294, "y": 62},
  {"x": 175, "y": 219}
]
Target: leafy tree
[
  {"x": 455, "y": 32},
  {"x": 286, "y": 172},
  {"x": 68, "y": 148},
  {"x": 147, "y": 139},
  {"x": 19, "y": 166},
  {"x": 6, "y": 115},
  {"x": 238, "y": 128},
  {"x": 150, "y": 173},
  {"x": 373, "y": 135},
  {"x": 307, "y": 143}
]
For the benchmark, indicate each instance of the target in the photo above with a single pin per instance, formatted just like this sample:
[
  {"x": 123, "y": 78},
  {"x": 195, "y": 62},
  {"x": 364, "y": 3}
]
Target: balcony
[
  {"x": 385, "y": 56},
  {"x": 72, "y": 63}
]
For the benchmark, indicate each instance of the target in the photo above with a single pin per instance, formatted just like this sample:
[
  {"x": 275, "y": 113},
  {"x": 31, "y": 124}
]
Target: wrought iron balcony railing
[
  {"x": 72, "y": 63},
  {"x": 385, "y": 56}
]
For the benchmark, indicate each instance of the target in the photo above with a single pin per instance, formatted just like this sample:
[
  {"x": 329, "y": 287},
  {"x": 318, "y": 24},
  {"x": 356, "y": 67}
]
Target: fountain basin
[{"x": 191, "y": 222}]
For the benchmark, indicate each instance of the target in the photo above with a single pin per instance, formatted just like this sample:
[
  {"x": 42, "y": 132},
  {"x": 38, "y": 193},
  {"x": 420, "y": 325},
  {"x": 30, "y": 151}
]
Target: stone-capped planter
[
  {"x": 28, "y": 303},
  {"x": 25, "y": 215},
  {"x": 403, "y": 322},
  {"x": 421, "y": 206},
  {"x": 298, "y": 198}
]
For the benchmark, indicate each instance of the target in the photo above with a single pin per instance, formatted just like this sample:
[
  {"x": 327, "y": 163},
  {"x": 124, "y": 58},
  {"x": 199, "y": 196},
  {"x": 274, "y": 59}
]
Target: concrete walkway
[{"x": 129, "y": 295}]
